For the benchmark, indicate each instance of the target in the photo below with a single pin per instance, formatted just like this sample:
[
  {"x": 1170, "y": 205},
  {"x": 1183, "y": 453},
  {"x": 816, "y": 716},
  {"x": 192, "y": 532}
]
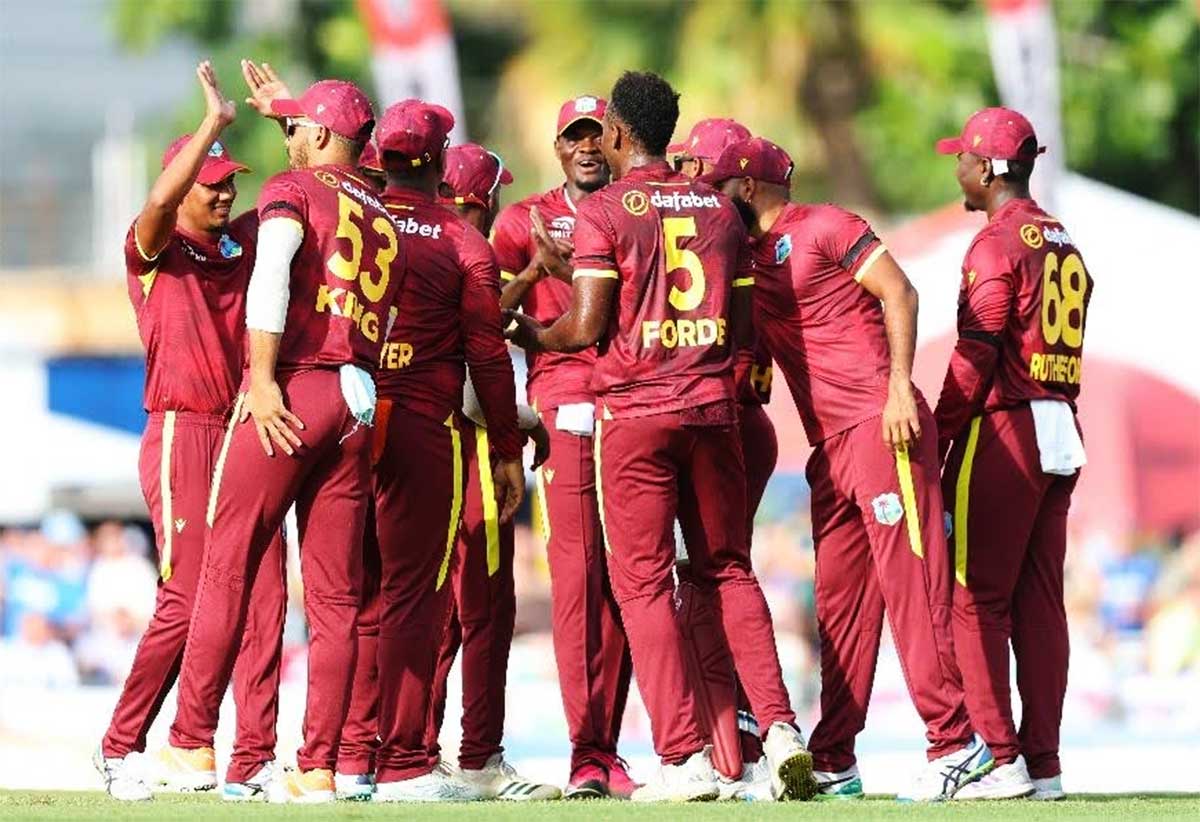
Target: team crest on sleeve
[
  {"x": 636, "y": 202},
  {"x": 229, "y": 247},
  {"x": 783, "y": 248},
  {"x": 887, "y": 508}
]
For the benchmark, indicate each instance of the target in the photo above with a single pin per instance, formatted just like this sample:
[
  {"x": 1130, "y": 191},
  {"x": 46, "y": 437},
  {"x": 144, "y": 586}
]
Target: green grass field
[{"x": 95, "y": 805}]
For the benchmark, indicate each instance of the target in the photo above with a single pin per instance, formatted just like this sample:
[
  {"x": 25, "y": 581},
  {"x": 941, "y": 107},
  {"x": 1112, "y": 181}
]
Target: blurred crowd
[{"x": 75, "y": 598}]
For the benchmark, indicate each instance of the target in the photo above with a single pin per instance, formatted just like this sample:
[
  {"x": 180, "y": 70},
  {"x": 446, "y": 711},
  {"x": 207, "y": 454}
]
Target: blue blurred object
[{"x": 102, "y": 390}]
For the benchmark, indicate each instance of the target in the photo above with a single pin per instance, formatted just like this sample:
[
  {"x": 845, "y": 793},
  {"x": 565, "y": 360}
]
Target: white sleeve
[
  {"x": 527, "y": 418},
  {"x": 267, "y": 296}
]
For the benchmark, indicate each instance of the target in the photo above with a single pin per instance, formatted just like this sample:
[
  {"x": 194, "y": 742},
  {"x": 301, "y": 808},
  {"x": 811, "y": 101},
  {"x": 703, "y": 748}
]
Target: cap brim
[
  {"x": 677, "y": 148},
  {"x": 287, "y": 106},
  {"x": 575, "y": 120},
  {"x": 950, "y": 145},
  {"x": 506, "y": 177},
  {"x": 213, "y": 173},
  {"x": 714, "y": 178}
]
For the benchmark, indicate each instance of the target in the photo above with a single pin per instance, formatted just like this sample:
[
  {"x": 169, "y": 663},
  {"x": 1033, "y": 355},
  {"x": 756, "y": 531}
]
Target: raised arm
[{"x": 156, "y": 220}]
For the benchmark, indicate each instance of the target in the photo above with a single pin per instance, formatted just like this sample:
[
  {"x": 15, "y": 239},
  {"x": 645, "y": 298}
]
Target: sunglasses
[{"x": 293, "y": 123}]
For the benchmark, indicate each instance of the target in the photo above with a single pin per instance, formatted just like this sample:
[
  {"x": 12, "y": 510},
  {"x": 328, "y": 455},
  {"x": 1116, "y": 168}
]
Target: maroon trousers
[
  {"x": 1010, "y": 540},
  {"x": 880, "y": 541},
  {"x": 360, "y": 734},
  {"x": 651, "y": 470},
  {"x": 328, "y": 479},
  {"x": 419, "y": 479},
  {"x": 482, "y": 616},
  {"x": 590, "y": 648},
  {"x": 179, "y": 451}
]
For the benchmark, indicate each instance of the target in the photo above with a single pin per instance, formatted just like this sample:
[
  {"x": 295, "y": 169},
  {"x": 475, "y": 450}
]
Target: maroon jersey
[
  {"x": 824, "y": 329},
  {"x": 190, "y": 303},
  {"x": 554, "y": 378},
  {"x": 448, "y": 317},
  {"x": 674, "y": 245},
  {"x": 752, "y": 373},
  {"x": 346, "y": 272},
  {"x": 1025, "y": 290}
]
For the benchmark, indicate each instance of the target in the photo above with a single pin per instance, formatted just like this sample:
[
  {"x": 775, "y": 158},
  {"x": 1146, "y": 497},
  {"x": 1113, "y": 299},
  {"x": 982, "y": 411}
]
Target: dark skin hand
[
  {"x": 509, "y": 480},
  {"x": 541, "y": 445},
  {"x": 886, "y": 281},
  {"x": 580, "y": 328}
]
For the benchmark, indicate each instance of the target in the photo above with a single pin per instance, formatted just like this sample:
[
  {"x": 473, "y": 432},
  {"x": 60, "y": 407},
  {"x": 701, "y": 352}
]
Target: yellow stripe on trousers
[
  {"x": 599, "y": 485},
  {"x": 455, "y": 502},
  {"x": 543, "y": 504},
  {"x": 487, "y": 488},
  {"x": 962, "y": 497},
  {"x": 220, "y": 467},
  {"x": 909, "y": 495},
  {"x": 164, "y": 489}
]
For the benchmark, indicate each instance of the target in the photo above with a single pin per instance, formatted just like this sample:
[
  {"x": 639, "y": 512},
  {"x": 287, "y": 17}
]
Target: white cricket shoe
[
  {"x": 843, "y": 785},
  {"x": 499, "y": 780},
  {"x": 439, "y": 785},
  {"x": 693, "y": 780},
  {"x": 1049, "y": 789},
  {"x": 186, "y": 770},
  {"x": 754, "y": 785},
  {"x": 945, "y": 776},
  {"x": 121, "y": 781},
  {"x": 354, "y": 787},
  {"x": 1009, "y": 781},
  {"x": 297, "y": 787},
  {"x": 253, "y": 789},
  {"x": 790, "y": 763}
]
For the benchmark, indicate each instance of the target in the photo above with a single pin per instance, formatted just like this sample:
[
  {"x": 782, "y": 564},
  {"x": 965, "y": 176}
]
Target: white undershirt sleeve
[
  {"x": 527, "y": 418},
  {"x": 267, "y": 296}
]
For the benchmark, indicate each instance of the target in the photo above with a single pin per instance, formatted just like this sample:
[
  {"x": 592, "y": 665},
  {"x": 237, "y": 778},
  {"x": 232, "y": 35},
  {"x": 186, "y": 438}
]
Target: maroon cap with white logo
[
  {"x": 336, "y": 104},
  {"x": 757, "y": 158},
  {"x": 585, "y": 107},
  {"x": 217, "y": 164}
]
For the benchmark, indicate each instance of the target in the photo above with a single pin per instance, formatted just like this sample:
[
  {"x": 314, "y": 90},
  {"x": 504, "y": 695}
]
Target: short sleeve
[
  {"x": 510, "y": 241},
  {"x": 847, "y": 240},
  {"x": 987, "y": 290},
  {"x": 595, "y": 242},
  {"x": 137, "y": 261},
  {"x": 282, "y": 197}
]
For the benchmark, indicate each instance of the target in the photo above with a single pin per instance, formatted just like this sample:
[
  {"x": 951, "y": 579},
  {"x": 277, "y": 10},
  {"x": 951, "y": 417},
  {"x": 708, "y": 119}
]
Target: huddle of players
[{"x": 653, "y": 307}]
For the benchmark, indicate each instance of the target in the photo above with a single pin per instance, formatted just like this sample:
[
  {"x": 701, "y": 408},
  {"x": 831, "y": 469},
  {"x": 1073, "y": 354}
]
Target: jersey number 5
[
  {"x": 1062, "y": 300},
  {"x": 349, "y": 270},
  {"x": 673, "y": 229}
]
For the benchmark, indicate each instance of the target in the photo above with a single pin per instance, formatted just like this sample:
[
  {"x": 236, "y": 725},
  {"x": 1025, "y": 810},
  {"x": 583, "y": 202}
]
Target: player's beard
[
  {"x": 298, "y": 155},
  {"x": 747, "y": 213},
  {"x": 593, "y": 185}
]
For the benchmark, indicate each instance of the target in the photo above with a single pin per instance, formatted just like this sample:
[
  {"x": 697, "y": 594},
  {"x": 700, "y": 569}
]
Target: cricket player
[
  {"x": 590, "y": 648},
  {"x": 1008, "y": 404},
  {"x": 187, "y": 267},
  {"x": 449, "y": 319},
  {"x": 839, "y": 316},
  {"x": 484, "y": 607},
  {"x": 329, "y": 262},
  {"x": 653, "y": 270},
  {"x": 724, "y": 709}
]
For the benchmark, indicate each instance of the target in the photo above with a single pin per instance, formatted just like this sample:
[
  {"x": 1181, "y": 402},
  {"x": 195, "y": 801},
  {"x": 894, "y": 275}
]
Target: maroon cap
[
  {"x": 584, "y": 107},
  {"x": 474, "y": 173},
  {"x": 708, "y": 138},
  {"x": 757, "y": 158},
  {"x": 369, "y": 159},
  {"x": 216, "y": 166},
  {"x": 336, "y": 104},
  {"x": 415, "y": 130},
  {"x": 995, "y": 133}
]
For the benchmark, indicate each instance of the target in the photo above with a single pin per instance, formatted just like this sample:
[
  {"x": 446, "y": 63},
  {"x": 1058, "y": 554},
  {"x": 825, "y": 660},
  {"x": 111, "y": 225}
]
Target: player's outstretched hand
[
  {"x": 218, "y": 108},
  {"x": 274, "y": 422},
  {"x": 552, "y": 256},
  {"x": 265, "y": 86},
  {"x": 521, "y": 329},
  {"x": 901, "y": 420},
  {"x": 509, "y": 479},
  {"x": 541, "y": 445}
]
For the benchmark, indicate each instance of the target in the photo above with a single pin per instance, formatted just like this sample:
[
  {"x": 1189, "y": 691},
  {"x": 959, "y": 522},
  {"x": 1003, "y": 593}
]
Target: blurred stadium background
[{"x": 91, "y": 90}]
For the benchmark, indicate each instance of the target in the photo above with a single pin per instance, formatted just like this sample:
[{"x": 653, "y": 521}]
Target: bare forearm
[
  {"x": 157, "y": 218},
  {"x": 513, "y": 292},
  {"x": 569, "y": 333},
  {"x": 264, "y": 352},
  {"x": 900, "y": 320}
]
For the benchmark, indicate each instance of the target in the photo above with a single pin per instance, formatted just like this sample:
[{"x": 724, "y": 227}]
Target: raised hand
[
  {"x": 219, "y": 108},
  {"x": 265, "y": 86},
  {"x": 552, "y": 256}
]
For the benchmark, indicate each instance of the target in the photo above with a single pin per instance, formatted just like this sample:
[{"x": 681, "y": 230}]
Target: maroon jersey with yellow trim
[
  {"x": 346, "y": 272},
  {"x": 554, "y": 378},
  {"x": 674, "y": 246},
  {"x": 448, "y": 316},
  {"x": 190, "y": 303},
  {"x": 1024, "y": 281},
  {"x": 823, "y": 328}
]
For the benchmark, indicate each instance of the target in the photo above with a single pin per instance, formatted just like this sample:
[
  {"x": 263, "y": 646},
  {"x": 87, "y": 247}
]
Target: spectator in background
[
  {"x": 1126, "y": 580},
  {"x": 46, "y": 575},
  {"x": 120, "y": 599},
  {"x": 34, "y": 657}
]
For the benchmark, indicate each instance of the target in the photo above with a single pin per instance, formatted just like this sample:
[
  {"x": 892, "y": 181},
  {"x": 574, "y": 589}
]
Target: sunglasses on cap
[{"x": 293, "y": 123}]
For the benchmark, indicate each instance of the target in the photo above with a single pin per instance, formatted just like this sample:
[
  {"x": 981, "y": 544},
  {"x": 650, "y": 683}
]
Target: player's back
[
  {"x": 1041, "y": 345},
  {"x": 346, "y": 272},
  {"x": 673, "y": 244},
  {"x": 422, "y": 363}
]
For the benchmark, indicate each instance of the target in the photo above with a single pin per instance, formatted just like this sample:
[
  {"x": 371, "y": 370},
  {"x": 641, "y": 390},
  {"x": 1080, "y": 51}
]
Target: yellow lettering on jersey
[
  {"x": 1060, "y": 368},
  {"x": 395, "y": 355},
  {"x": 683, "y": 333},
  {"x": 760, "y": 377},
  {"x": 369, "y": 325},
  {"x": 327, "y": 300}
]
